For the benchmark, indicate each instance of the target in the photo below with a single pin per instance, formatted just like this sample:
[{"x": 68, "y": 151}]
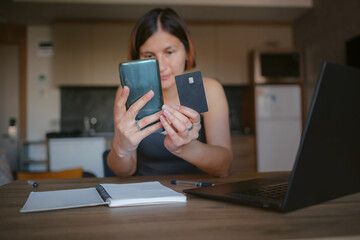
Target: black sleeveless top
[{"x": 154, "y": 159}]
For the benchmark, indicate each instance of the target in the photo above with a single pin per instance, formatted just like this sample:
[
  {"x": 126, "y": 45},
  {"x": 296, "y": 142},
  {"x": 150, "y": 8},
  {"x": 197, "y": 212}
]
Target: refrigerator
[{"x": 278, "y": 110}]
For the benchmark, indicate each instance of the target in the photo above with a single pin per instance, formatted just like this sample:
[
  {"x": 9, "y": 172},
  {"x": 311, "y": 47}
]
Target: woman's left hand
[{"x": 182, "y": 125}]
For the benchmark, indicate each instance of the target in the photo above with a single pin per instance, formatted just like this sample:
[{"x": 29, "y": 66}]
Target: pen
[
  {"x": 198, "y": 184},
  {"x": 33, "y": 183}
]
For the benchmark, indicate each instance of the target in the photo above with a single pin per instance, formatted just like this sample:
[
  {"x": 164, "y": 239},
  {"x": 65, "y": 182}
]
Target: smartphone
[{"x": 141, "y": 76}]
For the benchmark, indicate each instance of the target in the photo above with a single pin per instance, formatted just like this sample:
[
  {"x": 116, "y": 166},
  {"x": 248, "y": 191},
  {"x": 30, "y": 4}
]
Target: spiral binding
[{"x": 103, "y": 193}]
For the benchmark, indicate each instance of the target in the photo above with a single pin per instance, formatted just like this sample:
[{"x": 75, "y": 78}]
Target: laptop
[{"x": 327, "y": 165}]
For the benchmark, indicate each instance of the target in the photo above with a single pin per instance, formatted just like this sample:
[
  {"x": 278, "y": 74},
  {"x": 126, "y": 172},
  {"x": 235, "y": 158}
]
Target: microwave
[{"x": 277, "y": 66}]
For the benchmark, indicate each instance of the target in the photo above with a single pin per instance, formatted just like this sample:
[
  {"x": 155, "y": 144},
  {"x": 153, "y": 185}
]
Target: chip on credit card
[{"x": 191, "y": 91}]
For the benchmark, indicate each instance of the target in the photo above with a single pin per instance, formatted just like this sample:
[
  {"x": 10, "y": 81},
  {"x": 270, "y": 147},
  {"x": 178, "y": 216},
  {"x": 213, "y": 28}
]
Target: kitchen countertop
[{"x": 76, "y": 134}]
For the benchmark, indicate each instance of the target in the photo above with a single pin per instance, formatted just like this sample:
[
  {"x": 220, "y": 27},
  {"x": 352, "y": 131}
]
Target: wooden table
[{"x": 199, "y": 218}]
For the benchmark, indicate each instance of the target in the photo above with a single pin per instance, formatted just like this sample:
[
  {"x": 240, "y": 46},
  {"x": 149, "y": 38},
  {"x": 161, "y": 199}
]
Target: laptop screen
[{"x": 328, "y": 161}]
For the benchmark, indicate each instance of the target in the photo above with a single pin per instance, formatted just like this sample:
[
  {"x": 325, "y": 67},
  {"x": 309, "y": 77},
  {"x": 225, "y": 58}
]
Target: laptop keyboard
[{"x": 273, "y": 192}]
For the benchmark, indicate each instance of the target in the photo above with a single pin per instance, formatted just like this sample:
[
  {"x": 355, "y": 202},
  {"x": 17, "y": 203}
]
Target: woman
[{"x": 192, "y": 143}]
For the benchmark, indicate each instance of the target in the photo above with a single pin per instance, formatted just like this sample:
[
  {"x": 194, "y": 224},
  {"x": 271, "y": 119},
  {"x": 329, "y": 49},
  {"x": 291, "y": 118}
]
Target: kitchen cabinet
[
  {"x": 204, "y": 38},
  {"x": 88, "y": 54},
  {"x": 110, "y": 47},
  {"x": 73, "y": 55},
  {"x": 234, "y": 42}
]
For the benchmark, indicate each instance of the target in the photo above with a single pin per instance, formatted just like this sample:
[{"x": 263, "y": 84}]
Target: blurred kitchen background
[{"x": 59, "y": 59}]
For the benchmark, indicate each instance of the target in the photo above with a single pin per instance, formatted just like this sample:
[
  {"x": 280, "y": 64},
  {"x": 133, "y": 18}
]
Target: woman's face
[{"x": 169, "y": 52}]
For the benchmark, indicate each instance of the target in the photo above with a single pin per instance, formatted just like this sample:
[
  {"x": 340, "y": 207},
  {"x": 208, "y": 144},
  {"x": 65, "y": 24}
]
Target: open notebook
[{"x": 113, "y": 195}]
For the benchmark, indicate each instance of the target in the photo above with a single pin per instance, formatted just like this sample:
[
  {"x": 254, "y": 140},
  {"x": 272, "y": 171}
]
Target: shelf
[
  {"x": 34, "y": 161},
  {"x": 33, "y": 155}
]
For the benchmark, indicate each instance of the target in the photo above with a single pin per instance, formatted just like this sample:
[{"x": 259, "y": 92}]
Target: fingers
[
  {"x": 176, "y": 138},
  {"x": 190, "y": 113},
  {"x": 149, "y": 130},
  {"x": 140, "y": 128},
  {"x": 177, "y": 120},
  {"x": 121, "y": 97},
  {"x": 144, "y": 122},
  {"x": 180, "y": 121},
  {"x": 127, "y": 140},
  {"x": 183, "y": 114},
  {"x": 128, "y": 132},
  {"x": 134, "y": 108}
]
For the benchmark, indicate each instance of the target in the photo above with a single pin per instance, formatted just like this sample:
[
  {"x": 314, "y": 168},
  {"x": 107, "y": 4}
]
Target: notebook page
[
  {"x": 62, "y": 199},
  {"x": 143, "y": 193}
]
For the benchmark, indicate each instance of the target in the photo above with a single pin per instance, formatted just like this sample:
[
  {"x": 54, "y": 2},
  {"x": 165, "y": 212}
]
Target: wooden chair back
[{"x": 70, "y": 173}]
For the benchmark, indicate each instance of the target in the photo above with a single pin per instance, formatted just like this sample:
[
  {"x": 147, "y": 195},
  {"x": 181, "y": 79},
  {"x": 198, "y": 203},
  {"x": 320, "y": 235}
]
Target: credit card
[{"x": 191, "y": 91}]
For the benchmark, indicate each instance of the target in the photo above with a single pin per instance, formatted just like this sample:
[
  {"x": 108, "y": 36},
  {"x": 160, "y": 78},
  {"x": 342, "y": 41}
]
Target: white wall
[{"x": 43, "y": 97}]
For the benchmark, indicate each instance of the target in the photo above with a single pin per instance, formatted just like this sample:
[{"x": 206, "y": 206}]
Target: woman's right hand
[{"x": 127, "y": 134}]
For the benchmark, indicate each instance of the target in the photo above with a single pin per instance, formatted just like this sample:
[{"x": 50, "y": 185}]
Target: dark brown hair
[{"x": 170, "y": 22}]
